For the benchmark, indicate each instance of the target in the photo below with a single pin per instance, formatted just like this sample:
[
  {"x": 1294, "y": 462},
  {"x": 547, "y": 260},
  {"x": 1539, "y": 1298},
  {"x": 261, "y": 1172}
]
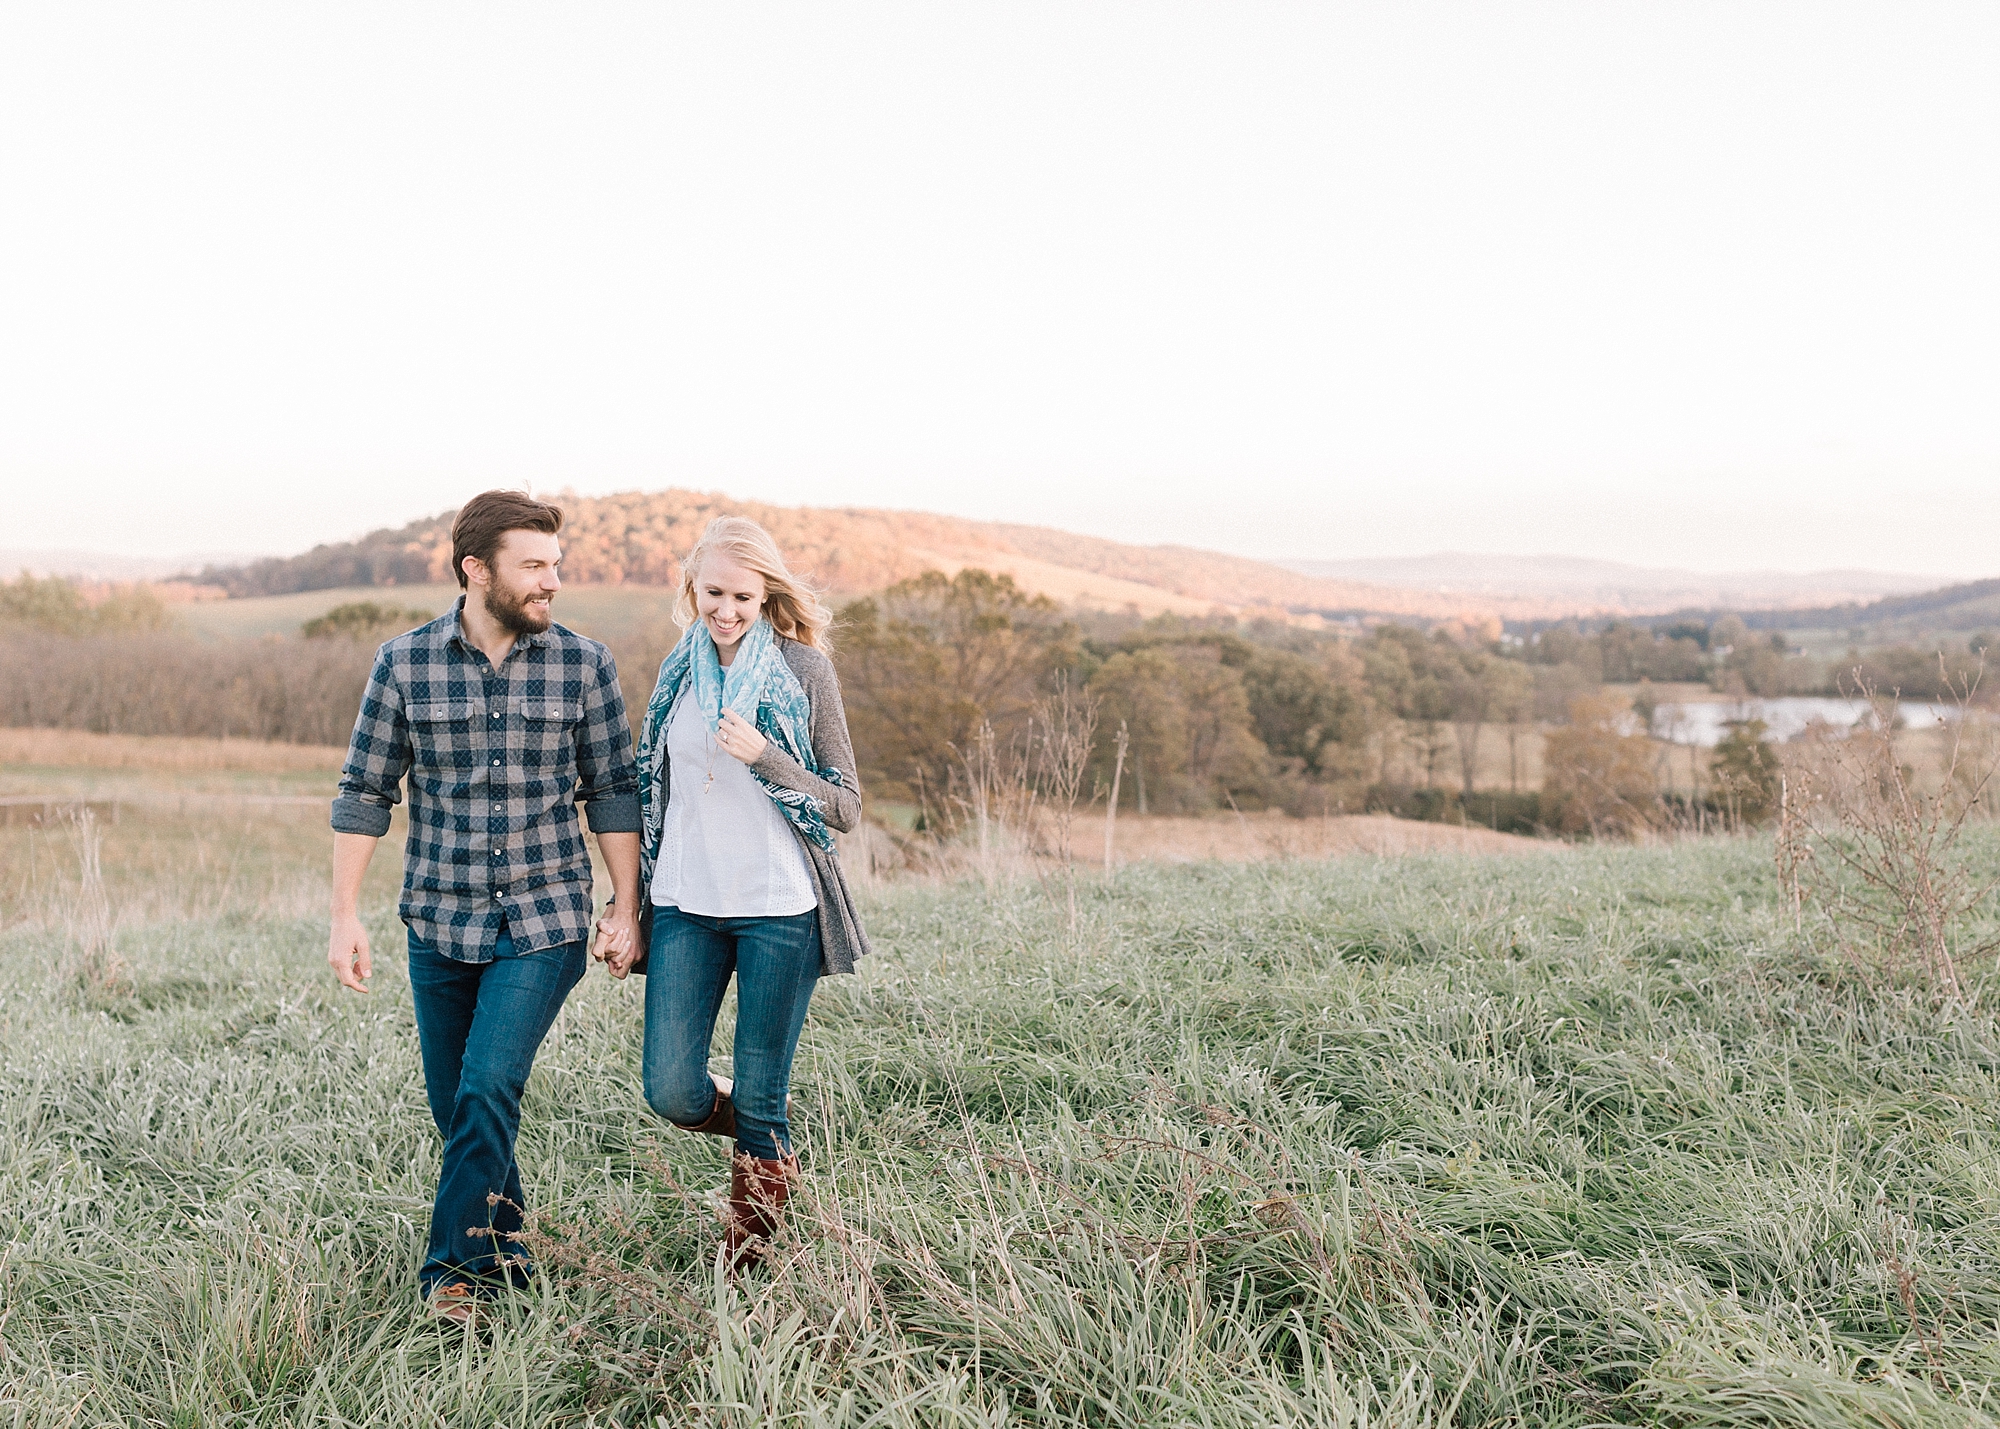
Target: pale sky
[{"x": 1711, "y": 285}]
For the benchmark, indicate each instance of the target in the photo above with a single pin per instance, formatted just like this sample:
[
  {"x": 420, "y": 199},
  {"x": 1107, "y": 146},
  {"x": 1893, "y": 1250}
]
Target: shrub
[
  {"x": 1598, "y": 775},
  {"x": 298, "y": 692},
  {"x": 1745, "y": 772},
  {"x": 61, "y": 607},
  {"x": 364, "y": 621}
]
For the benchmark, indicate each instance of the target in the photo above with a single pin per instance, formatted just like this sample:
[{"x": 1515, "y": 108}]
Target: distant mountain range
[
  {"x": 1610, "y": 587},
  {"x": 100, "y": 566}
]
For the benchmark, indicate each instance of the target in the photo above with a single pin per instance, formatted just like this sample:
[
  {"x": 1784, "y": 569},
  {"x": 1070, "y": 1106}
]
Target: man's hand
[
  {"x": 347, "y": 953},
  {"x": 617, "y": 941}
]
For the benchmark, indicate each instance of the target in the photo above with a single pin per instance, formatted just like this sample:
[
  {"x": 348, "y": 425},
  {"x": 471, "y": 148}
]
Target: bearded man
[{"x": 503, "y": 722}]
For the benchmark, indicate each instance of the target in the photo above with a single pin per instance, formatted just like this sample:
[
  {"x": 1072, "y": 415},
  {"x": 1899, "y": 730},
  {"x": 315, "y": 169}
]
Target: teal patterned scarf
[{"x": 760, "y": 686}]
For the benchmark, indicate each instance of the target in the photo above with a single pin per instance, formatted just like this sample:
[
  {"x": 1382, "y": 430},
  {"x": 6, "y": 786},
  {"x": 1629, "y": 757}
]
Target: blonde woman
[{"x": 744, "y": 767}]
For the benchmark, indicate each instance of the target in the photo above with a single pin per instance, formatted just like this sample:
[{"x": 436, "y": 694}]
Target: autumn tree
[
  {"x": 1513, "y": 705},
  {"x": 1193, "y": 742},
  {"x": 1412, "y": 674},
  {"x": 929, "y": 661},
  {"x": 1311, "y": 711},
  {"x": 1469, "y": 691},
  {"x": 1597, "y": 774}
]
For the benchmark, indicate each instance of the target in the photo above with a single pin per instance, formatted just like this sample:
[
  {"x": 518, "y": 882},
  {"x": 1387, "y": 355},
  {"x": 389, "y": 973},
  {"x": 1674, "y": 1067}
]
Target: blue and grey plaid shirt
[{"x": 497, "y": 761}]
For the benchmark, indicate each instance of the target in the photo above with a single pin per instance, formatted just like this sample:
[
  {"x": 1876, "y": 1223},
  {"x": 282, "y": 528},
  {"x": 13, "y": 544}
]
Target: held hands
[
  {"x": 739, "y": 737},
  {"x": 347, "y": 953},
  {"x": 617, "y": 941}
]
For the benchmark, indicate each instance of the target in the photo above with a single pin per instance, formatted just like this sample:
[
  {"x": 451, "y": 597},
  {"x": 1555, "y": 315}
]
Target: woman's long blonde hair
[{"x": 793, "y": 607}]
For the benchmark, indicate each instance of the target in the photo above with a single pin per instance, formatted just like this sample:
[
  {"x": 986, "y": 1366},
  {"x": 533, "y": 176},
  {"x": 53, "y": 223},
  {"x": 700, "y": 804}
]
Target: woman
[{"x": 744, "y": 766}]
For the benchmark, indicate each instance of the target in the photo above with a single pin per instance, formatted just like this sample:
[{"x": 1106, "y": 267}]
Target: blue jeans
[
  {"x": 688, "y": 963},
  {"x": 479, "y": 1025}
]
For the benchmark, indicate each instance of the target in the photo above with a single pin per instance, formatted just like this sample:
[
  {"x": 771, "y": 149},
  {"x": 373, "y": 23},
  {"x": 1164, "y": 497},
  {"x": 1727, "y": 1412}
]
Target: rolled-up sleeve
[
  {"x": 371, "y": 781},
  {"x": 607, "y": 780}
]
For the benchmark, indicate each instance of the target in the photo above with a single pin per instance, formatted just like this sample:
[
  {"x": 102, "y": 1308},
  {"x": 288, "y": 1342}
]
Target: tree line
[{"x": 1191, "y": 715}]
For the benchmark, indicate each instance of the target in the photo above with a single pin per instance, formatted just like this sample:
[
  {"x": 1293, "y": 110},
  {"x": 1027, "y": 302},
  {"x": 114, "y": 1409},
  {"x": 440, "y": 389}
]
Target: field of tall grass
[{"x": 1591, "y": 1137}]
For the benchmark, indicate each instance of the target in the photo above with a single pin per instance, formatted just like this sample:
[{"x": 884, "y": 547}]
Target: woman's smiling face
[{"x": 728, "y": 598}]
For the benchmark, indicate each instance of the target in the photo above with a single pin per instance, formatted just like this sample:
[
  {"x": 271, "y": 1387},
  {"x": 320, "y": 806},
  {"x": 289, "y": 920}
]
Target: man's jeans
[
  {"x": 776, "y": 962},
  {"x": 479, "y": 1025}
]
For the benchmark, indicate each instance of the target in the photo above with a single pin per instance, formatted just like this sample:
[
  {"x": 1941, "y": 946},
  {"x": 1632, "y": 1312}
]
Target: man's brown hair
[{"x": 483, "y": 523}]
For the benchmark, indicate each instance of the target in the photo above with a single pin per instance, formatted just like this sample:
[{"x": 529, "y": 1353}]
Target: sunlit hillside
[{"x": 636, "y": 538}]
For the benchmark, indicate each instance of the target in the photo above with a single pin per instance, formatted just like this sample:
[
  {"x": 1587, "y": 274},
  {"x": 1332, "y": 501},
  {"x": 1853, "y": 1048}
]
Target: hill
[
  {"x": 619, "y": 615},
  {"x": 1972, "y": 603},
  {"x": 636, "y": 538},
  {"x": 104, "y": 565},
  {"x": 1613, "y": 587}
]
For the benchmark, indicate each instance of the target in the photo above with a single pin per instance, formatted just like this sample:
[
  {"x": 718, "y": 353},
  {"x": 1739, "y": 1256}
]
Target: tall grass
[{"x": 1579, "y": 1140}]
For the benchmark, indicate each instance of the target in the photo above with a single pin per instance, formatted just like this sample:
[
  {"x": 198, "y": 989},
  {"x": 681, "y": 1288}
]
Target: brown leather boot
[
  {"x": 758, "y": 1191},
  {"x": 722, "y": 1120}
]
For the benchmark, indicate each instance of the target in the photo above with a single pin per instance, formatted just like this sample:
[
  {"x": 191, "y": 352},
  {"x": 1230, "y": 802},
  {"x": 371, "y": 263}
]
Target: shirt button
[
  {"x": 496, "y": 808},
  {"x": 496, "y": 764}
]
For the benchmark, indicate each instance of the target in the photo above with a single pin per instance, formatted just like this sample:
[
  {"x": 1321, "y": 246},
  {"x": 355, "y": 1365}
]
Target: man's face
[{"x": 521, "y": 581}]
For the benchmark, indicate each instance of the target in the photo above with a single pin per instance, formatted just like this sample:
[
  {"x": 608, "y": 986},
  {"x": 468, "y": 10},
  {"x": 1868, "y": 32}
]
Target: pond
[{"x": 1706, "y": 723}]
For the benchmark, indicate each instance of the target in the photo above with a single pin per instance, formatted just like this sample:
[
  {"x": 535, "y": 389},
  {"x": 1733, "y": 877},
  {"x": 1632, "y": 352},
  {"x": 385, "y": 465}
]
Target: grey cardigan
[{"x": 841, "y": 939}]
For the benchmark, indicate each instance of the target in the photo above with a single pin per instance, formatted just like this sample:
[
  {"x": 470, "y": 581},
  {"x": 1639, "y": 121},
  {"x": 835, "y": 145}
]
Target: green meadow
[{"x": 1590, "y": 1138}]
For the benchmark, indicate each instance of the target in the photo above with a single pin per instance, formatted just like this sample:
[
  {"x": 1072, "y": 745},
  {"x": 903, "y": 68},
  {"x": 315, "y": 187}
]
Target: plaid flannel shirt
[{"x": 497, "y": 761}]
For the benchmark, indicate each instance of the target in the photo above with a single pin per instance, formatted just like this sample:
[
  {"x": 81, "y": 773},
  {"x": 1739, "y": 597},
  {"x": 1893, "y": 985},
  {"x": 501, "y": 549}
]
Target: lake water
[{"x": 1706, "y": 724}]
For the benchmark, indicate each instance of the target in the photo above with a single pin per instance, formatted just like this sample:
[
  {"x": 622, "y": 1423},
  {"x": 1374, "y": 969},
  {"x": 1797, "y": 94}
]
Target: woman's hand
[
  {"x": 617, "y": 942},
  {"x": 738, "y": 737}
]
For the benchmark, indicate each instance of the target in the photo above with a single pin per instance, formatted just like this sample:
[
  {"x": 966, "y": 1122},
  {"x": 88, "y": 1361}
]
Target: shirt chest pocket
[
  {"x": 441, "y": 731},
  {"x": 546, "y": 725}
]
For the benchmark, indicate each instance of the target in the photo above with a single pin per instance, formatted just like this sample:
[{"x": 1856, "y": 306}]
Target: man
[{"x": 503, "y": 721}]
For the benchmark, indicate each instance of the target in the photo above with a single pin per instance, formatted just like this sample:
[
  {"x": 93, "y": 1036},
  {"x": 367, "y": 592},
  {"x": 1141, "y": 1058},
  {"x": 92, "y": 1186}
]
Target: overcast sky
[{"x": 1698, "y": 284}]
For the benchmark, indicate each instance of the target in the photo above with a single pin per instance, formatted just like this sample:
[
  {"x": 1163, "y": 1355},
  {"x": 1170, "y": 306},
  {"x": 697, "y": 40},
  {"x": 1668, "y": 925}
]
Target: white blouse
[{"x": 725, "y": 850}]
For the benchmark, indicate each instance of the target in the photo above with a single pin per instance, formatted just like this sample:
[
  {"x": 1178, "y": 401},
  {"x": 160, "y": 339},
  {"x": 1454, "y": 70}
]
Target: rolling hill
[{"x": 636, "y": 538}]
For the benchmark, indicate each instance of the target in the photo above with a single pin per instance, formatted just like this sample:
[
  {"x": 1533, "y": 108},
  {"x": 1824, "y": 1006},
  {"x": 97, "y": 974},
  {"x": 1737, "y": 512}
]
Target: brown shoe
[
  {"x": 456, "y": 1302},
  {"x": 722, "y": 1120},
  {"x": 758, "y": 1191}
]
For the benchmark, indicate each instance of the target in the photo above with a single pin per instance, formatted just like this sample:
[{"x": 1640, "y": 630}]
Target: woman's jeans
[
  {"x": 688, "y": 963},
  {"x": 479, "y": 1025}
]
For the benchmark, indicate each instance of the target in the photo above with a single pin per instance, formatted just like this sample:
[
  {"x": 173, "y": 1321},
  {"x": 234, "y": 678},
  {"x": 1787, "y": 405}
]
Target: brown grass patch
[{"x": 78, "y": 749}]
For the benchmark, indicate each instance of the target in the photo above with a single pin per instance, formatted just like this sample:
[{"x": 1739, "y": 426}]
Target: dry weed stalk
[
  {"x": 1123, "y": 746},
  {"x": 995, "y": 796},
  {"x": 89, "y": 960},
  {"x": 1020, "y": 801},
  {"x": 990, "y": 805},
  {"x": 1874, "y": 853},
  {"x": 1068, "y": 735}
]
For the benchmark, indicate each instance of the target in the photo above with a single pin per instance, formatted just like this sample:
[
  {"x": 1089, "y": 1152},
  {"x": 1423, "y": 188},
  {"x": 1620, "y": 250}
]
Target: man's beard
[{"x": 515, "y": 614}]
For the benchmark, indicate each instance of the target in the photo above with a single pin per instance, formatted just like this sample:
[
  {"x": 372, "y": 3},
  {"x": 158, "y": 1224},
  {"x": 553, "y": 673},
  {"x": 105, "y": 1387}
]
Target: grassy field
[
  {"x": 1580, "y": 1138},
  {"x": 615, "y": 614}
]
